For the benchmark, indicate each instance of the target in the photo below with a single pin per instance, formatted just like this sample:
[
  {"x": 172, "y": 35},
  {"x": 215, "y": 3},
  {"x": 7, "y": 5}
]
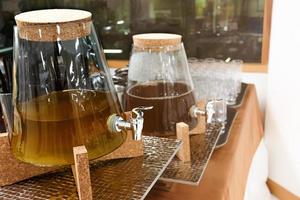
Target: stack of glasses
[{"x": 216, "y": 79}]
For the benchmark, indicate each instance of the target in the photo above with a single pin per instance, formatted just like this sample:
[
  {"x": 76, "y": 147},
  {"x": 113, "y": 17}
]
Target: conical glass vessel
[
  {"x": 63, "y": 94},
  {"x": 159, "y": 76}
]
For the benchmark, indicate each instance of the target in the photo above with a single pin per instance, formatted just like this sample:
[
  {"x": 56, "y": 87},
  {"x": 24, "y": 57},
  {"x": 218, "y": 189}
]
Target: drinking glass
[
  {"x": 237, "y": 68},
  {"x": 217, "y": 80}
]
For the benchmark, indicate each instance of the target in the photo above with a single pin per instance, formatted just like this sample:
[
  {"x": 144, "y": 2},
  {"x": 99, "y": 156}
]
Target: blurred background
[{"x": 210, "y": 28}]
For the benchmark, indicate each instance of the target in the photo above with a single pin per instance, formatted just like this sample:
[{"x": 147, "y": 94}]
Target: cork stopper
[
  {"x": 155, "y": 40},
  {"x": 54, "y": 24}
]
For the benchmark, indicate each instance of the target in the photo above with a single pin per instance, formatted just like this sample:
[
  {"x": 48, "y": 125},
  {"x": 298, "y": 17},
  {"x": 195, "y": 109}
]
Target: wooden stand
[
  {"x": 183, "y": 133},
  {"x": 201, "y": 126},
  {"x": 81, "y": 172},
  {"x": 13, "y": 170}
]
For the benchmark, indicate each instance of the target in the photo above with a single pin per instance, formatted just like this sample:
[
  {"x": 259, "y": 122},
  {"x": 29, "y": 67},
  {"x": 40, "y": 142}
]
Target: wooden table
[{"x": 226, "y": 175}]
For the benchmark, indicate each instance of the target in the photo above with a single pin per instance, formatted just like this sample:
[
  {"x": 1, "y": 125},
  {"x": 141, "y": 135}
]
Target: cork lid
[
  {"x": 54, "y": 24},
  {"x": 154, "y": 40}
]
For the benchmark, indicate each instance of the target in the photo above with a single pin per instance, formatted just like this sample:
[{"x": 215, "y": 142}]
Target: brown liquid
[
  {"x": 171, "y": 104},
  {"x": 48, "y": 127}
]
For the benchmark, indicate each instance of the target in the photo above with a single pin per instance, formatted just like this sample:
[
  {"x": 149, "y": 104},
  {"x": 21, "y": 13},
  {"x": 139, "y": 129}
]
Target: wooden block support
[
  {"x": 182, "y": 132},
  {"x": 81, "y": 172},
  {"x": 129, "y": 149},
  {"x": 13, "y": 170},
  {"x": 201, "y": 126}
]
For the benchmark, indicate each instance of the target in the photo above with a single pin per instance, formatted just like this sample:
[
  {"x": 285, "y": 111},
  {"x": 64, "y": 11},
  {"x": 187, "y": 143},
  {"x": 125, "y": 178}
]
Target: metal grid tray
[
  {"x": 202, "y": 147},
  {"x": 231, "y": 115},
  {"x": 115, "y": 179}
]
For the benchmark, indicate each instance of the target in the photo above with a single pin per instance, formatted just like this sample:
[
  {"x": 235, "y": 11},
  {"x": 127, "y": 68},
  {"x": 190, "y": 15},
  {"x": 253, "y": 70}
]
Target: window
[{"x": 210, "y": 28}]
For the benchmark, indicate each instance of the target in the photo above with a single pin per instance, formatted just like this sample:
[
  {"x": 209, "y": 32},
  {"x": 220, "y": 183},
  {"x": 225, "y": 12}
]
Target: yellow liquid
[{"x": 48, "y": 127}]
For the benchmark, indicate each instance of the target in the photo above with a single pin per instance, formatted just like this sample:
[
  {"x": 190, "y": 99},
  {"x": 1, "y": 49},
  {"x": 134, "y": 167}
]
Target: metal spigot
[
  {"x": 116, "y": 123},
  {"x": 209, "y": 111}
]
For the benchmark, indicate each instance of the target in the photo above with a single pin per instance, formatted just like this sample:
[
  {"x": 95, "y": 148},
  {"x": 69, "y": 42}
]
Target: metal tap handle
[
  {"x": 138, "y": 111},
  {"x": 116, "y": 123},
  {"x": 138, "y": 121},
  {"x": 211, "y": 111}
]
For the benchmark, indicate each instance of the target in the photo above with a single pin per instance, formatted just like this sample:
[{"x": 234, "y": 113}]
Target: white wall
[
  {"x": 261, "y": 81},
  {"x": 282, "y": 126}
]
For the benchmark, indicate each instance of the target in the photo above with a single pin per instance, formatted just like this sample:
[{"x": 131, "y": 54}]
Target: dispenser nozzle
[
  {"x": 116, "y": 123},
  {"x": 211, "y": 111}
]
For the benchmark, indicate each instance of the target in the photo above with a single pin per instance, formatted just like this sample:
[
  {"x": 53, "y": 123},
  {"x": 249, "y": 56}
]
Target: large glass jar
[
  {"x": 63, "y": 94},
  {"x": 159, "y": 76}
]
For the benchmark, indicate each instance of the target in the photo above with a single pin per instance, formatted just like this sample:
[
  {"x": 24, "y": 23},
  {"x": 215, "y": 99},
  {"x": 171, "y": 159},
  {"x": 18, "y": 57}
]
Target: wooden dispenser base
[
  {"x": 201, "y": 126},
  {"x": 81, "y": 173},
  {"x": 183, "y": 133},
  {"x": 130, "y": 148},
  {"x": 13, "y": 170}
]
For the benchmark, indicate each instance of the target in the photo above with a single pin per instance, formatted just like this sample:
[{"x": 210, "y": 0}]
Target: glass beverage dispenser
[
  {"x": 63, "y": 95},
  {"x": 159, "y": 76}
]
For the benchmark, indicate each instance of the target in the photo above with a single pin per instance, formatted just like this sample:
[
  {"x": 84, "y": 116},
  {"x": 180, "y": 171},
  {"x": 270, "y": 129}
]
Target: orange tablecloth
[{"x": 226, "y": 175}]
